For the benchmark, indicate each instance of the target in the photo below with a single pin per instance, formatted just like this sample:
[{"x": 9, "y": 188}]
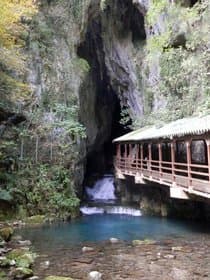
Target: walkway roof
[{"x": 179, "y": 128}]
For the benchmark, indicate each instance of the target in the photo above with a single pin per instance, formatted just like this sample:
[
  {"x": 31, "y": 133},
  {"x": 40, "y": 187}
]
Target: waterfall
[
  {"x": 101, "y": 198},
  {"x": 103, "y": 189}
]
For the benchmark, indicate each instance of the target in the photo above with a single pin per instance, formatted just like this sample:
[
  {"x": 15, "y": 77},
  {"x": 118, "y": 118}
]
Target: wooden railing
[{"x": 192, "y": 177}]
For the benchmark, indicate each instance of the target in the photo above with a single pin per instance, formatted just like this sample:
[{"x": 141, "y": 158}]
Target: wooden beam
[
  {"x": 160, "y": 158},
  {"x": 173, "y": 160},
  {"x": 141, "y": 147},
  {"x": 126, "y": 152},
  {"x": 188, "y": 143},
  {"x": 208, "y": 155},
  {"x": 150, "y": 155},
  {"x": 137, "y": 155}
]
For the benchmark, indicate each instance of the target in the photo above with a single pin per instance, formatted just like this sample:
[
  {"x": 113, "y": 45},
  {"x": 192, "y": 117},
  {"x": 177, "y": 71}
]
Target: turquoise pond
[{"x": 100, "y": 227}]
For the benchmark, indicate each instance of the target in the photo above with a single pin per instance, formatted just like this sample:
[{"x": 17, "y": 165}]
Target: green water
[{"x": 99, "y": 227}]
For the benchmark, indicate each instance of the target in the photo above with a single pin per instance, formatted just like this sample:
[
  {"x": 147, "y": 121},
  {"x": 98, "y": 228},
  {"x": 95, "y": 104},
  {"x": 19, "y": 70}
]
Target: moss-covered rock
[
  {"x": 22, "y": 257},
  {"x": 3, "y": 275},
  {"x": 143, "y": 242},
  {"x": 37, "y": 219},
  {"x": 6, "y": 233},
  {"x": 22, "y": 273},
  {"x": 4, "y": 262},
  {"x": 16, "y": 253},
  {"x": 58, "y": 278},
  {"x": 25, "y": 260}
]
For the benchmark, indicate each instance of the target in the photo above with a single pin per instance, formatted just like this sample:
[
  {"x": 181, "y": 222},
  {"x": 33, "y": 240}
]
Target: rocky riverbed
[
  {"x": 175, "y": 259},
  {"x": 184, "y": 257}
]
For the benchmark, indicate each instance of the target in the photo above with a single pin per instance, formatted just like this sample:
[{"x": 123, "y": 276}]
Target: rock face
[{"x": 97, "y": 58}]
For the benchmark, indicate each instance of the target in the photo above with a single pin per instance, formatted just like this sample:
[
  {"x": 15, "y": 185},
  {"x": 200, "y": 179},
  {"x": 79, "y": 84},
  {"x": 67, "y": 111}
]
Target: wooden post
[
  {"x": 188, "y": 143},
  {"x": 160, "y": 158},
  {"x": 142, "y": 157},
  {"x": 150, "y": 156},
  {"x": 130, "y": 155},
  {"x": 189, "y": 161},
  {"x": 126, "y": 156},
  {"x": 173, "y": 160},
  {"x": 126, "y": 152},
  {"x": 137, "y": 156},
  {"x": 208, "y": 155}
]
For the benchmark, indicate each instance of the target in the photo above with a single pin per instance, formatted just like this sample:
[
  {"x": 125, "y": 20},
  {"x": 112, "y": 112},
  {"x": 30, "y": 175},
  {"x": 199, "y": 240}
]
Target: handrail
[{"x": 162, "y": 169}]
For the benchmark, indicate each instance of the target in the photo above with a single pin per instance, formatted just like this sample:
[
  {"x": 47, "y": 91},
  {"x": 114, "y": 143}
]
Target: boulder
[
  {"x": 94, "y": 275},
  {"x": 16, "y": 253},
  {"x": 24, "y": 242},
  {"x": 6, "y": 233},
  {"x": 45, "y": 264},
  {"x": 3, "y": 275},
  {"x": 23, "y": 258},
  {"x": 169, "y": 257},
  {"x": 4, "y": 262},
  {"x": 114, "y": 240},
  {"x": 22, "y": 273},
  {"x": 87, "y": 249}
]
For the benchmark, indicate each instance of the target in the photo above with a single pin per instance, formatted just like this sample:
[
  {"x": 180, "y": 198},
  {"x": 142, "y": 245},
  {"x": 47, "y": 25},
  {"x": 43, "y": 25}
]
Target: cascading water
[
  {"x": 102, "y": 190},
  {"x": 103, "y": 199}
]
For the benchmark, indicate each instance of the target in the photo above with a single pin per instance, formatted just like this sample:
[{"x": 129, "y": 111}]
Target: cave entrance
[
  {"x": 100, "y": 158},
  {"x": 100, "y": 108},
  {"x": 108, "y": 89}
]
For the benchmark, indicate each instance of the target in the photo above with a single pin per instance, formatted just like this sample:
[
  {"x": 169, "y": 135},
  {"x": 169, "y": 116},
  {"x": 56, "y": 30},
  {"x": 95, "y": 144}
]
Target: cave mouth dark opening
[
  {"x": 100, "y": 160},
  {"x": 193, "y": 2}
]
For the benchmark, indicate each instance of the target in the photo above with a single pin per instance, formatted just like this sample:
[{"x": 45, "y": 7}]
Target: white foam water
[
  {"x": 91, "y": 210},
  {"x": 123, "y": 211},
  {"x": 103, "y": 189},
  {"x": 120, "y": 210}
]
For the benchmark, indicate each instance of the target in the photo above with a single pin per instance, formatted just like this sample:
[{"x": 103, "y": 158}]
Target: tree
[{"x": 12, "y": 62}]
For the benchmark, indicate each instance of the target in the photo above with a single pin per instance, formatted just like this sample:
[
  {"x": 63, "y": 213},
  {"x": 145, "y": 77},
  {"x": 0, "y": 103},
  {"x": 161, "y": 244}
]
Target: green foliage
[
  {"x": 157, "y": 7},
  {"x": 44, "y": 189},
  {"x": 5, "y": 196},
  {"x": 177, "y": 69},
  {"x": 67, "y": 119},
  {"x": 81, "y": 64},
  {"x": 41, "y": 36},
  {"x": 125, "y": 119},
  {"x": 78, "y": 8}
]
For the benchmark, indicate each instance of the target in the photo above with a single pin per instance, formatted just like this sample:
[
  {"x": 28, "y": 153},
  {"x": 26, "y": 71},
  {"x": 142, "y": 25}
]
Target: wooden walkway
[
  {"x": 182, "y": 178},
  {"x": 175, "y": 155}
]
